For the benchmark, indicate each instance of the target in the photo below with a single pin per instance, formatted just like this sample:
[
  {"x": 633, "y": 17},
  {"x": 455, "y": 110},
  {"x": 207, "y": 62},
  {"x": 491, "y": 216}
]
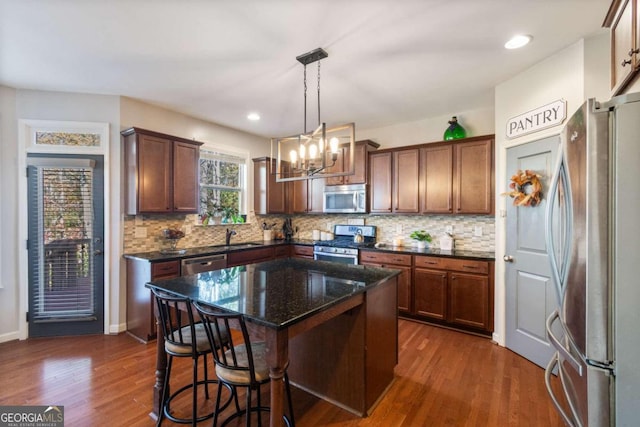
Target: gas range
[{"x": 343, "y": 248}]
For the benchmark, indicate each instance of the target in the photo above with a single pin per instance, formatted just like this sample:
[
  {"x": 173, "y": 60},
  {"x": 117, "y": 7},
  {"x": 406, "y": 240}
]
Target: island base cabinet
[{"x": 350, "y": 359}]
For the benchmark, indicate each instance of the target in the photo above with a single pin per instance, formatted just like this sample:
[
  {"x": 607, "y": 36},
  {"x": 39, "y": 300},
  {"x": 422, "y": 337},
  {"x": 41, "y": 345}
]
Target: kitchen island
[{"x": 335, "y": 324}]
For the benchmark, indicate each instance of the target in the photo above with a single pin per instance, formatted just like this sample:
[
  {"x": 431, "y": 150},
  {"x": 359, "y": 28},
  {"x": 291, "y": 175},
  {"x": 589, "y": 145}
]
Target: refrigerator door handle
[
  {"x": 558, "y": 345},
  {"x": 547, "y": 379},
  {"x": 553, "y": 190}
]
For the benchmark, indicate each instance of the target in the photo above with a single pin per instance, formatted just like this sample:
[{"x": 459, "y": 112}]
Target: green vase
[{"x": 454, "y": 131}]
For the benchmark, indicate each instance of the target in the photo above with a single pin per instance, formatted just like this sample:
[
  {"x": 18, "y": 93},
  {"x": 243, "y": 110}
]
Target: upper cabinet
[
  {"x": 269, "y": 196},
  {"x": 380, "y": 182},
  {"x": 360, "y": 163},
  {"x": 624, "y": 23},
  {"x": 307, "y": 195},
  {"x": 473, "y": 176},
  {"x": 441, "y": 178},
  {"x": 161, "y": 173}
]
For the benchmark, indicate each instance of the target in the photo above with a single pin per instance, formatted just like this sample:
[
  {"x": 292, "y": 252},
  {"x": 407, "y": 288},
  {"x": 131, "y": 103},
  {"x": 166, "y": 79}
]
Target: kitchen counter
[
  {"x": 278, "y": 293},
  {"x": 241, "y": 246}
]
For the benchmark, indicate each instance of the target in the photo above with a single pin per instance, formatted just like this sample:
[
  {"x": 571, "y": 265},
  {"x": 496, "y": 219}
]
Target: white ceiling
[{"x": 390, "y": 61}]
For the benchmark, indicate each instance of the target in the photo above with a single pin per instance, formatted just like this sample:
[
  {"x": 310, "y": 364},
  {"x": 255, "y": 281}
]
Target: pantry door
[{"x": 530, "y": 291}]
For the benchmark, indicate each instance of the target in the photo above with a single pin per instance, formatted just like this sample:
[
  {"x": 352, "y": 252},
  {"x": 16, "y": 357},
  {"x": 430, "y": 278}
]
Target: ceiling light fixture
[
  {"x": 518, "y": 41},
  {"x": 314, "y": 154},
  {"x": 253, "y": 117}
]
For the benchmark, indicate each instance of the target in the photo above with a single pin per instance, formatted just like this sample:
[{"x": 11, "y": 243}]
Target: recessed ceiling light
[
  {"x": 518, "y": 41},
  {"x": 253, "y": 117}
]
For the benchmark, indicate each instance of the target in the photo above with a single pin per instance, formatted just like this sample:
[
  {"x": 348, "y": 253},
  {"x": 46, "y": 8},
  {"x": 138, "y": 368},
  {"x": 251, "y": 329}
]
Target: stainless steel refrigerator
[{"x": 593, "y": 230}]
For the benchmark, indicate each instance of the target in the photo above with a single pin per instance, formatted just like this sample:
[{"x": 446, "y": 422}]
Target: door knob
[
  {"x": 507, "y": 258},
  {"x": 97, "y": 252}
]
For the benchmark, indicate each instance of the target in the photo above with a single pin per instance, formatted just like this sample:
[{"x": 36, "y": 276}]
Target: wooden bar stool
[
  {"x": 241, "y": 365},
  {"x": 185, "y": 338}
]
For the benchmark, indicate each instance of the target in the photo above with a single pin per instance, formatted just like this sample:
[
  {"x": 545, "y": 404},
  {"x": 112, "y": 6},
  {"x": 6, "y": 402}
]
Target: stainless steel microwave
[{"x": 345, "y": 199}]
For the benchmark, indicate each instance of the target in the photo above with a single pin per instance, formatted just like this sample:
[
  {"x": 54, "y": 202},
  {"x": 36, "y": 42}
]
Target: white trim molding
[{"x": 26, "y": 144}]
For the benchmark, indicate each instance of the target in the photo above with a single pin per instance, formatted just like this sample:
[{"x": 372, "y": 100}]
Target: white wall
[
  {"x": 573, "y": 74},
  {"x": 8, "y": 216},
  {"x": 475, "y": 122}
]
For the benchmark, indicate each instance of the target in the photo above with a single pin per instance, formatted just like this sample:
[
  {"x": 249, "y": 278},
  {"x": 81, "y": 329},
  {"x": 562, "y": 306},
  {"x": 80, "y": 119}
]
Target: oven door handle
[{"x": 336, "y": 255}]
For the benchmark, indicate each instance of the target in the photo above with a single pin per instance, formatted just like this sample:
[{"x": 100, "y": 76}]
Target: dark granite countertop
[
  {"x": 278, "y": 293},
  {"x": 241, "y": 246}
]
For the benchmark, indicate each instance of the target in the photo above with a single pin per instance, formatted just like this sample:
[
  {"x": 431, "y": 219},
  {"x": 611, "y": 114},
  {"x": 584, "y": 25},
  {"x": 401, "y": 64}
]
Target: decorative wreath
[{"x": 526, "y": 189}]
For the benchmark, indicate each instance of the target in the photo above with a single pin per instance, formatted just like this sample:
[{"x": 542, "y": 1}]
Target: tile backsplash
[{"x": 143, "y": 233}]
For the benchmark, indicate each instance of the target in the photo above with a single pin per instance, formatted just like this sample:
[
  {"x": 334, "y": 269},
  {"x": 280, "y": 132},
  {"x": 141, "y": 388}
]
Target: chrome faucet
[{"x": 228, "y": 236}]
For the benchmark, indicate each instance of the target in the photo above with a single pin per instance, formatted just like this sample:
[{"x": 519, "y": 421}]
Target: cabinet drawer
[
  {"x": 430, "y": 262},
  {"x": 479, "y": 267},
  {"x": 302, "y": 251},
  {"x": 165, "y": 269},
  {"x": 385, "y": 258},
  {"x": 249, "y": 256}
]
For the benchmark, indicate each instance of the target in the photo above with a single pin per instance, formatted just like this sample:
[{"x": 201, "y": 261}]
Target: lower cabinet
[
  {"x": 301, "y": 251},
  {"x": 454, "y": 292},
  {"x": 396, "y": 261},
  {"x": 141, "y": 322},
  {"x": 250, "y": 256}
]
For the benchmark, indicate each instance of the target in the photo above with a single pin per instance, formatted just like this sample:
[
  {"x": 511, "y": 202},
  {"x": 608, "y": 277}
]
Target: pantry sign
[{"x": 535, "y": 120}]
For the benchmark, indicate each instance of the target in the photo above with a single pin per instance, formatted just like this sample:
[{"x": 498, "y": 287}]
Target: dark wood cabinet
[
  {"x": 380, "y": 182},
  {"x": 624, "y": 22},
  {"x": 469, "y": 300},
  {"x": 437, "y": 175},
  {"x": 360, "y": 163},
  {"x": 439, "y": 178},
  {"x": 473, "y": 177},
  {"x": 140, "y": 306},
  {"x": 302, "y": 251},
  {"x": 430, "y": 293},
  {"x": 162, "y": 173},
  {"x": 307, "y": 195},
  {"x": 269, "y": 196},
  {"x": 396, "y": 261},
  {"x": 454, "y": 292},
  {"x": 406, "y": 181},
  {"x": 250, "y": 256}
]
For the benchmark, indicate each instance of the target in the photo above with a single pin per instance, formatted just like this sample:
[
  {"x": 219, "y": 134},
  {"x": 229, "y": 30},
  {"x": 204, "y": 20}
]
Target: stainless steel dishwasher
[{"x": 203, "y": 263}]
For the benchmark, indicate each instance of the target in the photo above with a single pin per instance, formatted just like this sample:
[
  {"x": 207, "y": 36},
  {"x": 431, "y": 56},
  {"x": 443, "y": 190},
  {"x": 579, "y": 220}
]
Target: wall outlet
[
  {"x": 399, "y": 228},
  {"x": 448, "y": 229},
  {"x": 477, "y": 231}
]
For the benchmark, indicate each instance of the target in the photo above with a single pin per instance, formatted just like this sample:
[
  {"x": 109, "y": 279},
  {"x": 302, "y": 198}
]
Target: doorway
[
  {"x": 65, "y": 244},
  {"x": 530, "y": 292}
]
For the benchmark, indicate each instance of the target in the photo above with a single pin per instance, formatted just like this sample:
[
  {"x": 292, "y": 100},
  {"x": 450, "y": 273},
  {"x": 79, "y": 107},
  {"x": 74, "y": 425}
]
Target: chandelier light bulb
[
  {"x": 333, "y": 142},
  {"x": 313, "y": 151},
  {"x": 293, "y": 155},
  {"x": 302, "y": 152}
]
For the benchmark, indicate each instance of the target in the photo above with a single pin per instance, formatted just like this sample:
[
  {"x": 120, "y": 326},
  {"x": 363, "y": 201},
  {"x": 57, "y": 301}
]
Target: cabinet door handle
[
  {"x": 470, "y": 266},
  {"x": 633, "y": 52},
  {"x": 625, "y": 62}
]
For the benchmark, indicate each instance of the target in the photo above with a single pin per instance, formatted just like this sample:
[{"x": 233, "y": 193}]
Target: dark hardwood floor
[{"x": 443, "y": 378}]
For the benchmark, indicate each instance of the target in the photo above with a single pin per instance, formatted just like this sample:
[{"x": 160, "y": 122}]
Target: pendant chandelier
[{"x": 324, "y": 152}]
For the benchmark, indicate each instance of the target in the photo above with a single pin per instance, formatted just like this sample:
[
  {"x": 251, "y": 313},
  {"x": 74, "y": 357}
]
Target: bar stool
[
  {"x": 242, "y": 365},
  {"x": 185, "y": 338}
]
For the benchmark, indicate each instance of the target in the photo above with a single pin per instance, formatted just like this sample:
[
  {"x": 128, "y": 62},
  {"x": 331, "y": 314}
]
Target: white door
[{"x": 530, "y": 291}]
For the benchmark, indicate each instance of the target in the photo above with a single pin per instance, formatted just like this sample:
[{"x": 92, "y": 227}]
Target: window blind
[{"x": 60, "y": 241}]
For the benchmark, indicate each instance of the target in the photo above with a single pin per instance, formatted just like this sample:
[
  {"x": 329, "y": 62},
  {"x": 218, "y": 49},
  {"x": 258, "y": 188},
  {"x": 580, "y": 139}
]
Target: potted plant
[{"x": 422, "y": 237}]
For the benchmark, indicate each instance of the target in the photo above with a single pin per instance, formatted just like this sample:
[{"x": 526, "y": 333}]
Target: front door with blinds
[{"x": 66, "y": 268}]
